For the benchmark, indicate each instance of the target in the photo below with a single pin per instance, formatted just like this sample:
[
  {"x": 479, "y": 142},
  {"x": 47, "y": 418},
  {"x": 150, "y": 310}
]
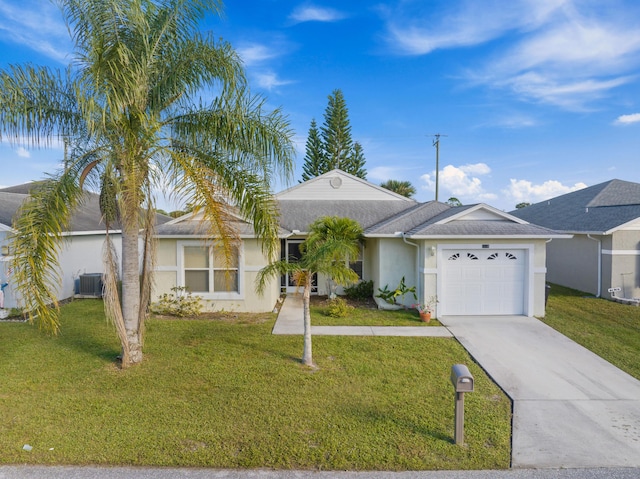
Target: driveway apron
[{"x": 571, "y": 408}]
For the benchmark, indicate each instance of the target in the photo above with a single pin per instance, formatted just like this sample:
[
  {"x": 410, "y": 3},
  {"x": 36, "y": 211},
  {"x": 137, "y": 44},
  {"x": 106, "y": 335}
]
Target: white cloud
[
  {"x": 269, "y": 80},
  {"x": 463, "y": 182},
  {"x": 37, "y": 25},
  {"x": 312, "y": 13},
  {"x": 23, "y": 152},
  {"x": 255, "y": 53},
  {"x": 562, "y": 52},
  {"x": 525, "y": 191},
  {"x": 628, "y": 119}
]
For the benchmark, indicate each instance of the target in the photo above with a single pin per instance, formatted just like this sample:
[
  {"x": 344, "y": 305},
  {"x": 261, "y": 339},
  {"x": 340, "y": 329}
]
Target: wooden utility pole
[{"x": 436, "y": 143}]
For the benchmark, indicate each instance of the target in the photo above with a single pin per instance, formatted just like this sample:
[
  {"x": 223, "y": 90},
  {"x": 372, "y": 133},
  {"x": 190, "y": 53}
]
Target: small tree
[
  {"x": 404, "y": 188},
  {"x": 331, "y": 242},
  {"x": 524, "y": 204},
  {"x": 453, "y": 201}
]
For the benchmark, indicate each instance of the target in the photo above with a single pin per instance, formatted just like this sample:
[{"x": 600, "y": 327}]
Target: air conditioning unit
[{"x": 91, "y": 285}]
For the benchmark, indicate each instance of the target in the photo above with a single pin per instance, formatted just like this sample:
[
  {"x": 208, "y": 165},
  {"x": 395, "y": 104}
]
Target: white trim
[
  {"x": 240, "y": 295},
  {"x": 621, "y": 252},
  {"x": 540, "y": 270},
  {"x": 488, "y": 237},
  {"x": 484, "y": 206}
]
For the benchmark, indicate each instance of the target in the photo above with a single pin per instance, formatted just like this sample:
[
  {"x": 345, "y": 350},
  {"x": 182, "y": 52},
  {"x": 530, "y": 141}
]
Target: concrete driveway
[{"x": 571, "y": 408}]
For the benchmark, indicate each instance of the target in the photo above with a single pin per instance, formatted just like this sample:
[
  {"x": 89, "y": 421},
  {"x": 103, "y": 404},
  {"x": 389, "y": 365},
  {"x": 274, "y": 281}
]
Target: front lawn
[
  {"x": 227, "y": 393},
  {"x": 609, "y": 329}
]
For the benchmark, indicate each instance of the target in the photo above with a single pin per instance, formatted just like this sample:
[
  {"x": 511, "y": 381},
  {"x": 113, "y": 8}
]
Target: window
[
  {"x": 207, "y": 270},
  {"x": 357, "y": 264}
]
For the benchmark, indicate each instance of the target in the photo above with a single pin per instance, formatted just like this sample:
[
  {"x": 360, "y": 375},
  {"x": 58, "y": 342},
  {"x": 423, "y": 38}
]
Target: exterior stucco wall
[
  {"x": 624, "y": 259},
  {"x": 396, "y": 259},
  {"x": 168, "y": 275},
  {"x": 574, "y": 263},
  {"x": 79, "y": 254}
]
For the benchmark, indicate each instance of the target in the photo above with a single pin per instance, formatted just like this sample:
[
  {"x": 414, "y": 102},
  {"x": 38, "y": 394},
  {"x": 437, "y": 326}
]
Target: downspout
[
  {"x": 599, "y": 289},
  {"x": 417, "y": 264}
]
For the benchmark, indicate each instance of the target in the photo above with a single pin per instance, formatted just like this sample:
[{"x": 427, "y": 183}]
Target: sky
[{"x": 531, "y": 98}]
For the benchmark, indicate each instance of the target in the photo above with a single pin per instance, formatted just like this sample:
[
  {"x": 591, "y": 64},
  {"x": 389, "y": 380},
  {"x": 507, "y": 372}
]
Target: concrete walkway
[
  {"x": 571, "y": 408},
  {"x": 290, "y": 321}
]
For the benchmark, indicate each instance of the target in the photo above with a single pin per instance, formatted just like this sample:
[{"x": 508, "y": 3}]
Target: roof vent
[{"x": 335, "y": 182}]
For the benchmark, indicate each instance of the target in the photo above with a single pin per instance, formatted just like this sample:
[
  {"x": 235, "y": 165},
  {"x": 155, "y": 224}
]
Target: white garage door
[{"x": 483, "y": 282}]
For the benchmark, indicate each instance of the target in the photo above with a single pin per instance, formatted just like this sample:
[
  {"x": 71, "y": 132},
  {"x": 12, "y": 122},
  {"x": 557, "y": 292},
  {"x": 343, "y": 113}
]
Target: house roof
[
  {"x": 86, "y": 218},
  {"x": 598, "y": 209},
  {"x": 299, "y": 214},
  {"x": 381, "y": 213},
  {"x": 434, "y": 219}
]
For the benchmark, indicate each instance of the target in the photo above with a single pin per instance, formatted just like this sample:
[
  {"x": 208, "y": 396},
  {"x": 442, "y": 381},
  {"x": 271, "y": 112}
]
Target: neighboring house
[
  {"x": 476, "y": 259},
  {"x": 82, "y": 248},
  {"x": 604, "y": 251}
]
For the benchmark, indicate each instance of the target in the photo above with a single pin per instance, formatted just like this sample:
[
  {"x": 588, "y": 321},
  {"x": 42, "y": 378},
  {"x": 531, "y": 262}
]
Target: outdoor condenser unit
[{"x": 91, "y": 284}]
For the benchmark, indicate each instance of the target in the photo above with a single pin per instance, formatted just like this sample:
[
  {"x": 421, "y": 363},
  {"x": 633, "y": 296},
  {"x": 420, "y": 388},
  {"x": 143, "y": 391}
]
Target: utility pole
[{"x": 436, "y": 143}]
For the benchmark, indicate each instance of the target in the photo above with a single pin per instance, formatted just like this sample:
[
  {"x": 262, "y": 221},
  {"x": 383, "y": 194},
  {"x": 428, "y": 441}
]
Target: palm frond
[{"x": 39, "y": 226}]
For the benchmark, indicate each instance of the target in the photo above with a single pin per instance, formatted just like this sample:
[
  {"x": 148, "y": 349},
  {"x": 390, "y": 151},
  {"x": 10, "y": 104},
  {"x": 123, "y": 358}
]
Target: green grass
[
  {"x": 368, "y": 317},
  {"x": 229, "y": 394},
  {"x": 609, "y": 329}
]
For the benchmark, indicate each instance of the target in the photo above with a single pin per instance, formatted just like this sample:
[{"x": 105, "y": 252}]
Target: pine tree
[
  {"x": 336, "y": 132},
  {"x": 355, "y": 164},
  {"x": 314, "y": 160},
  {"x": 332, "y": 146}
]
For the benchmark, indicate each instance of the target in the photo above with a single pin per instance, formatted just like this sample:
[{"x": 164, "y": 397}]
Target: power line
[{"x": 436, "y": 143}]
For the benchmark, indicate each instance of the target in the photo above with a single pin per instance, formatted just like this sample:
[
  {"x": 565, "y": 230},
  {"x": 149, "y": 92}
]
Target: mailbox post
[{"x": 462, "y": 381}]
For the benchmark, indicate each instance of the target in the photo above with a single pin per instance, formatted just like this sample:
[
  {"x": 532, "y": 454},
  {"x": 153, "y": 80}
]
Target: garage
[{"x": 483, "y": 282}]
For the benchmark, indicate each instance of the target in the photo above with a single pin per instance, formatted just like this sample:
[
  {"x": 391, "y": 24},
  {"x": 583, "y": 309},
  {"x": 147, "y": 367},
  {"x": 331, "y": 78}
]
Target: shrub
[
  {"x": 359, "y": 291},
  {"x": 338, "y": 308},
  {"x": 180, "y": 303}
]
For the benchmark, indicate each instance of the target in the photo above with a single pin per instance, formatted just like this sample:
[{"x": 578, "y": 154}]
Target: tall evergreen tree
[
  {"x": 332, "y": 147},
  {"x": 356, "y": 162},
  {"x": 314, "y": 160},
  {"x": 336, "y": 132}
]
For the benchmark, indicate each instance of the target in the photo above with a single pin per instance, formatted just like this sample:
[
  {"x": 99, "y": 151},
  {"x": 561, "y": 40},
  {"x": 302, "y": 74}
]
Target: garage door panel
[{"x": 484, "y": 282}]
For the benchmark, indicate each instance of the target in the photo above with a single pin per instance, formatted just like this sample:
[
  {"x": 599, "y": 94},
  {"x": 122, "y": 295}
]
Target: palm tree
[
  {"x": 331, "y": 242},
  {"x": 404, "y": 188},
  {"x": 129, "y": 107}
]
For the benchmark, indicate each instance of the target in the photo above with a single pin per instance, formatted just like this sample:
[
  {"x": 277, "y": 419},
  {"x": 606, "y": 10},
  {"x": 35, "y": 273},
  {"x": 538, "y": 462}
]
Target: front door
[{"x": 292, "y": 253}]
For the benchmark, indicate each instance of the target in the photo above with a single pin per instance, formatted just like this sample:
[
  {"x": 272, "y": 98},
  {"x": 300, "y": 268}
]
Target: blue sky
[{"x": 536, "y": 97}]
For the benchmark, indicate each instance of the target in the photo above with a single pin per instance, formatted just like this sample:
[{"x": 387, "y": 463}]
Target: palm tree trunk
[
  {"x": 307, "y": 357},
  {"x": 131, "y": 290}
]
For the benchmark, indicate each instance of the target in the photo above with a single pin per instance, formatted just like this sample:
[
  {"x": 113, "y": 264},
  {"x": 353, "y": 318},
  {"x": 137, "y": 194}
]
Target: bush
[
  {"x": 338, "y": 308},
  {"x": 180, "y": 303},
  {"x": 359, "y": 291}
]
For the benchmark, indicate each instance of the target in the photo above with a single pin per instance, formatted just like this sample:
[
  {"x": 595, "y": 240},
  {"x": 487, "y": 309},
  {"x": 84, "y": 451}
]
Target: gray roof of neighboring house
[
  {"x": 299, "y": 214},
  {"x": 596, "y": 209},
  {"x": 87, "y": 216}
]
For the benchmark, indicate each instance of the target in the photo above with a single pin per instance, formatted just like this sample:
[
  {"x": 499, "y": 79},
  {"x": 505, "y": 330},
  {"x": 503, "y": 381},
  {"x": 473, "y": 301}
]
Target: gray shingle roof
[
  {"x": 596, "y": 209},
  {"x": 408, "y": 219},
  {"x": 298, "y": 215},
  {"x": 86, "y": 218},
  {"x": 190, "y": 227},
  {"x": 481, "y": 229}
]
